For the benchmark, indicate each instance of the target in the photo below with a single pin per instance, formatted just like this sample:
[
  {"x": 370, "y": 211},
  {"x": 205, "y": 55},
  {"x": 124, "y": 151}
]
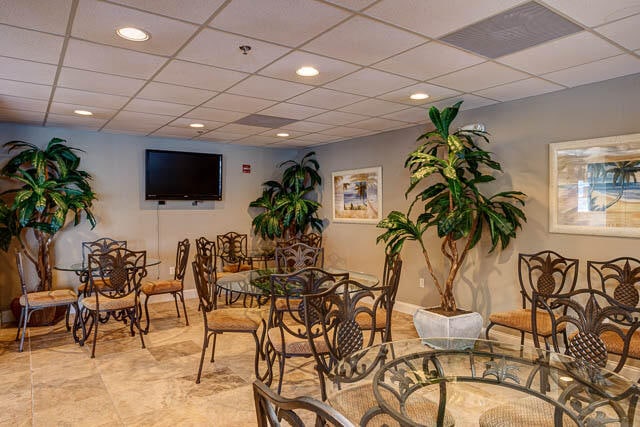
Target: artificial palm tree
[{"x": 49, "y": 187}]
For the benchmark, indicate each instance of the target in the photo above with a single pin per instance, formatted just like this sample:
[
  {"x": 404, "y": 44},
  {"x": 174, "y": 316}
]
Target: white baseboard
[{"x": 405, "y": 307}]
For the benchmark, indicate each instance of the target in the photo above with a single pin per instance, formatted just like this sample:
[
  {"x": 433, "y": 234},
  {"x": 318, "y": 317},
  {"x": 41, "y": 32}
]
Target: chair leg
[
  {"x": 175, "y": 300},
  {"x": 486, "y": 332},
  {"x": 205, "y": 344},
  {"x": 281, "y": 359},
  {"x": 20, "y": 323},
  {"x": 96, "y": 317},
  {"x": 213, "y": 349},
  {"x": 184, "y": 308},
  {"x": 136, "y": 319},
  {"x": 66, "y": 317},
  {"x": 146, "y": 313},
  {"x": 521, "y": 338},
  {"x": 24, "y": 327},
  {"x": 257, "y": 355}
]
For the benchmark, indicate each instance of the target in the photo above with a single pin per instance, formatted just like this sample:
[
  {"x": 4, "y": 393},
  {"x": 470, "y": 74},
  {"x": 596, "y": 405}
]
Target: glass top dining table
[
  {"x": 454, "y": 381},
  {"x": 79, "y": 266}
]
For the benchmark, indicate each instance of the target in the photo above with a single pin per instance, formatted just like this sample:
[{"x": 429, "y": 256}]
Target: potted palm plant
[
  {"x": 287, "y": 206},
  {"x": 47, "y": 186},
  {"x": 454, "y": 167}
]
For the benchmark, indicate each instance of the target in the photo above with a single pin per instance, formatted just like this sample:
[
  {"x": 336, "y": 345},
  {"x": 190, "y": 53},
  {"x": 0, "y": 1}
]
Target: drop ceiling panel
[
  {"x": 624, "y": 32},
  {"x": 51, "y": 16},
  {"x": 98, "y": 21},
  {"x": 245, "y": 104},
  {"x": 353, "y": 4},
  {"x": 157, "y": 107},
  {"x": 562, "y": 53},
  {"x": 306, "y": 126},
  {"x": 595, "y": 12},
  {"x": 330, "y": 69},
  {"x": 470, "y": 101},
  {"x": 175, "y": 94},
  {"x": 26, "y": 71},
  {"x": 18, "y": 103},
  {"x": 176, "y": 132},
  {"x": 64, "y": 109},
  {"x": 281, "y": 21},
  {"x": 275, "y": 132},
  {"x": 418, "y": 15},
  {"x": 214, "y": 114},
  {"x": 184, "y": 122},
  {"x": 379, "y": 124},
  {"x": 604, "y": 69},
  {"x": 369, "y": 82},
  {"x": 30, "y": 45},
  {"x": 363, "y": 41},
  {"x": 410, "y": 115},
  {"x": 373, "y": 107},
  {"x": 213, "y": 47},
  {"x": 292, "y": 111},
  {"x": 90, "y": 123},
  {"x": 111, "y": 60},
  {"x": 21, "y": 116},
  {"x": 318, "y": 137},
  {"x": 198, "y": 76},
  {"x": 326, "y": 98},
  {"x": 241, "y": 129},
  {"x": 420, "y": 63},
  {"x": 259, "y": 140},
  {"x": 198, "y": 10},
  {"x": 27, "y": 90},
  {"x": 345, "y": 132},
  {"x": 435, "y": 93},
  {"x": 480, "y": 76},
  {"x": 217, "y": 135},
  {"x": 98, "y": 82},
  {"x": 94, "y": 99},
  {"x": 268, "y": 88},
  {"x": 337, "y": 118},
  {"x": 520, "y": 89}
]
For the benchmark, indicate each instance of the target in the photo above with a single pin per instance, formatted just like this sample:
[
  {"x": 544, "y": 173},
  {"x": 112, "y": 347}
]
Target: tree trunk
[{"x": 44, "y": 261}]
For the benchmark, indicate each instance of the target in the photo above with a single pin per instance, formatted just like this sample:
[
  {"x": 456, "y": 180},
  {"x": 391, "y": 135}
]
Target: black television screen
[{"x": 179, "y": 175}]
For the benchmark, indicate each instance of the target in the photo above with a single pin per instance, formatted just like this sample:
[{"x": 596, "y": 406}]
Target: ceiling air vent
[
  {"x": 264, "y": 121},
  {"x": 516, "y": 29}
]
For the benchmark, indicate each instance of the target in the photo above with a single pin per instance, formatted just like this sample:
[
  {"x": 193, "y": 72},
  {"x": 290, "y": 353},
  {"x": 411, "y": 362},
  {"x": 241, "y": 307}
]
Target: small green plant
[{"x": 453, "y": 204}]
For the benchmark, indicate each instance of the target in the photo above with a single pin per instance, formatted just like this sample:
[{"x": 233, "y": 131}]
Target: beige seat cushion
[
  {"x": 521, "y": 320},
  {"x": 233, "y": 268},
  {"x": 108, "y": 304},
  {"x": 292, "y": 304},
  {"x": 354, "y": 402},
  {"x": 161, "y": 287},
  {"x": 615, "y": 344},
  {"x": 294, "y": 345},
  {"x": 49, "y": 298},
  {"x": 235, "y": 319},
  {"x": 364, "y": 319},
  {"x": 529, "y": 412}
]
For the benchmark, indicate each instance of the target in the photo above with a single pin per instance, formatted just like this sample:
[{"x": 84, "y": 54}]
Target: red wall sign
[{"x": 246, "y": 168}]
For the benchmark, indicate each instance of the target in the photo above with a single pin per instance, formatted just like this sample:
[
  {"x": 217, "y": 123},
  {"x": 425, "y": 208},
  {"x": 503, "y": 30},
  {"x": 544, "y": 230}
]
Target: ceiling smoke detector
[{"x": 245, "y": 49}]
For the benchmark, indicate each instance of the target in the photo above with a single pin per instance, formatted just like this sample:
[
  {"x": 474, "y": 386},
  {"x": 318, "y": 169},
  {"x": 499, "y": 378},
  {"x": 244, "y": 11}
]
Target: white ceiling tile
[
  {"x": 318, "y": 137},
  {"x": 435, "y": 93},
  {"x": 303, "y": 126},
  {"x": 344, "y": 131},
  {"x": 604, "y": 69},
  {"x": 144, "y": 118},
  {"x": 326, "y": 98},
  {"x": 98, "y": 21},
  {"x": 265, "y": 87},
  {"x": 259, "y": 140},
  {"x": 185, "y": 122},
  {"x": 51, "y": 16},
  {"x": 292, "y": 111},
  {"x": 215, "y": 115},
  {"x": 198, "y": 10},
  {"x": 27, "y": 90},
  {"x": 470, "y": 102},
  {"x": 241, "y": 129},
  {"x": 175, "y": 94},
  {"x": 379, "y": 124},
  {"x": 198, "y": 76},
  {"x": 436, "y": 18},
  {"x": 429, "y": 60},
  {"x": 411, "y": 115},
  {"x": 562, "y": 53},
  {"x": 26, "y": 71},
  {"x": 479, "y": 77},
  {"x": 73, "y": 96},
  {"x": 520, "y": 89},
  {"x": 330, "y": 69},
  {"x": 363, "y": 41},
  {"x": 90, "y": 123},
  {"x": 111, "y": 60},
  {"x": 595, "y": 12},
  {"x": 216, "y": 135},
  {"x": 289, "y": 22},
  {"x": 369, "y": 82},
  {"x": 373, "y": 107},
  {"x": 337, "y": 118},
  {"x": 176, "y": 132},
  {"x": 21, "y": 116},
  {"x": 98, "y": 82},
  {"x": 353, "y": 4},
  {"x": 213, "y": 47},
  {"x": 624, "y": 32},
  {"x": 68, "y": 110},
  {"x": 30, "y": 45},
  {"x": 245, "y": 104},
  {"x": 157, "y": 107},
  {"x": 290, "y": 143},
  {"x": 17, "y": 103}
]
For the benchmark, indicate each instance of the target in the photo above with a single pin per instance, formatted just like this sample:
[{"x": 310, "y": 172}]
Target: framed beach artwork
[
  {"x": 357, "y": 195},
  {"x": 594, "y": 186}
]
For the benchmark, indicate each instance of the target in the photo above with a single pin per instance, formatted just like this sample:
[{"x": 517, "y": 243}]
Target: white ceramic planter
[{"x": 434, "y": 325}]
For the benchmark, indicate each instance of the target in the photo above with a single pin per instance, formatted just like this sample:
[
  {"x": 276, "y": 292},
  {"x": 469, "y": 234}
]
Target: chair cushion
[
  {"x": 529, "y": 411},
  {"x": 282, "y": 305},
  {"x": 235, "y": 319},
  {"x": 521, "y": 320},
  {"x": 615, "y": 344},
  {"x": 364, "y": 319},
  {"x": 354, "y": 402},
  {"x": 161, "y": 287},
  {"x": 99, "y": 283},
  {"x": 233, "y": 268},
  {"x": 294, "y": 345},
  {"x": 108, "y": 304},
  {"x": 49, "y": 298}
]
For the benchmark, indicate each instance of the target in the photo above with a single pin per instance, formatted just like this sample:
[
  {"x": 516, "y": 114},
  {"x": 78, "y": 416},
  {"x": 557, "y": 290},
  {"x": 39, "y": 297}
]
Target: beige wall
[
  {"x": 521, "y": 131},
  {"x": 117, "y": 164}
]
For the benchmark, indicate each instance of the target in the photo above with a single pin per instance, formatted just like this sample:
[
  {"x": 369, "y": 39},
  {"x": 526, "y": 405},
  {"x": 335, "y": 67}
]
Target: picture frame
[
  {"x": 594, "y": 186},
  {"x": 357, "y": 195}
]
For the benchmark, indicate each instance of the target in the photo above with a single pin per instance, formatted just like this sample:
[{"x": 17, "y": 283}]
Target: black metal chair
[
  {"x": 232, "y": 250},
  {"x": 298, "y": 256},
  {"x": 271, "y": 409},
  {"x": 311, "y": 239},
  {"x": 175, "y": 286},
  {"x": 546, "y": 273},
  {"x": 98, "y": 246}
]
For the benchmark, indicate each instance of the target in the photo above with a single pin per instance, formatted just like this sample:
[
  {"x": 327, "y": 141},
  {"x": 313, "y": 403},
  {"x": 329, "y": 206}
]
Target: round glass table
[
  {"x": 79, "y": 266},
  {"x": 435, "y": 381}
]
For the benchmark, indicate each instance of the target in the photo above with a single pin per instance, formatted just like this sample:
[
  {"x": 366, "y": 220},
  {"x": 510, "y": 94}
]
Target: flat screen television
[{"x": 180, "y": 175}]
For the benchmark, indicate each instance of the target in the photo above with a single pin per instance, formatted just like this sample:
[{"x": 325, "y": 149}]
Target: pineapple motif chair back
[
  {"x": 182, "y": 256},
  {"x": 206, "y": 250},
  {"x": 618, "y": 278},
  {"x": 203, "y": 285},
  {"x": 390, "y": 283},
  {"x": 546, "y": 273},
  {"x": 232, "y": 250},
  {"x": 298, "y": 256},
  {"x": 100, "y": 246},
  {"x": 119, "y": 271},
  {"x": 289, "y": 242},
  {"x": 312, "y": 239}
]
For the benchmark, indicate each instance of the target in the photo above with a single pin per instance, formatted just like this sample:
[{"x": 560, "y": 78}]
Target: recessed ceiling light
[
  {"x": 196, "y": 125},
  {"x": 133, "y": 34},
  {"x": 83, "y": 112},
  {"x": 419, "y": 96},
  {"x": 307, "y": 72},
  {"x": 282, "y": 134}
]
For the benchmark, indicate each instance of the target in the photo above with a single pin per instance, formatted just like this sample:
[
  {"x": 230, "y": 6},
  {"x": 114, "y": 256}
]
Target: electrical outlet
[
  {"x": 172, "y": 270},
  {"x": 421, "y": 283}
]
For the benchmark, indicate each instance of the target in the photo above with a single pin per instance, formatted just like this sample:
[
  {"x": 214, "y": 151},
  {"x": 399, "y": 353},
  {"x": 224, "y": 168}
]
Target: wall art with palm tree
[
  {"x": 595, "y": 186},
  {"x": 357, "y": 195}
]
